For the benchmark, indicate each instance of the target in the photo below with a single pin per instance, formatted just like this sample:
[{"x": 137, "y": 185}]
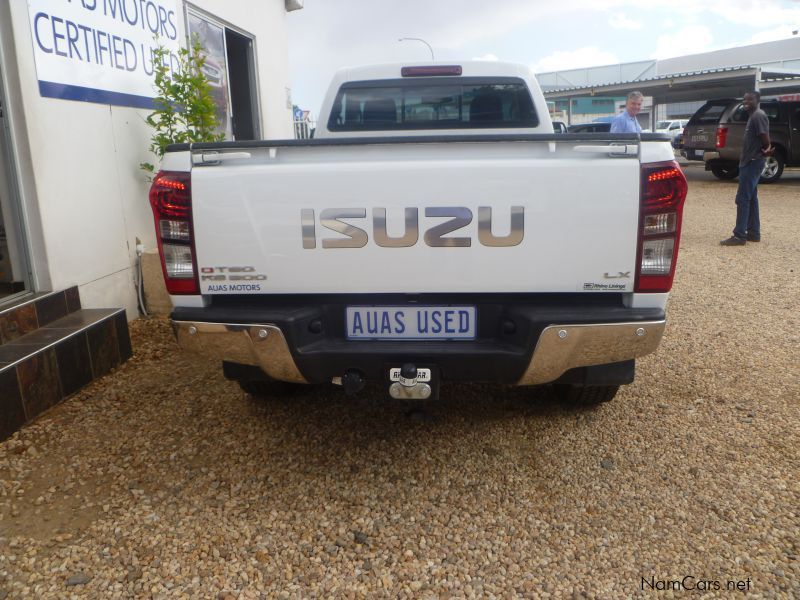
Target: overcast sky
[{"x": 546, "y": 35}]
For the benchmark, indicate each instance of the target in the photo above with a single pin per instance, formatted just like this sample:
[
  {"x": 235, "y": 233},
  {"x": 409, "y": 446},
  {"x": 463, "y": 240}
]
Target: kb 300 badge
[{"x": 230, "y": 274}]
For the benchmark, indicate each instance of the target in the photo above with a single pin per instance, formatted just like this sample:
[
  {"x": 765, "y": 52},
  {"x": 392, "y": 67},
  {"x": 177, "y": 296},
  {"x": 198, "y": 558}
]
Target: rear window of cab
[
  {"x": 709, "y": 114},
  {"x": 433, "y": 103},
  {"x": 772, "y": 110}
]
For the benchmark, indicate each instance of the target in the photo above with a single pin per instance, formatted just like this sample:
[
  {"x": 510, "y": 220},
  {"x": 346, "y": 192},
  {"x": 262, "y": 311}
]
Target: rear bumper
[
  {"x": 261, "y": 345},
  {"x": 520, "y": 343},
  {"x": 697, "y": 154},
  {"x": 564, "y": 347},
  {"x": 720, "y": 159}
]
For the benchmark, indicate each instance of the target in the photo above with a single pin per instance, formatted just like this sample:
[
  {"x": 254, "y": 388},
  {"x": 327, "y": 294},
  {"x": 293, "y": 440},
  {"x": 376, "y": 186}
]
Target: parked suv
[
  {"x": 700, "y": 135},
  {"x": 784, "y": 133}
]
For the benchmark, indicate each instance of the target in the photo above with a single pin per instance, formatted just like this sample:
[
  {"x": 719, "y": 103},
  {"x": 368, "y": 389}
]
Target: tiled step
[
  {"x": 36, "y": 311},
  {"x": 50, "y": 349}
]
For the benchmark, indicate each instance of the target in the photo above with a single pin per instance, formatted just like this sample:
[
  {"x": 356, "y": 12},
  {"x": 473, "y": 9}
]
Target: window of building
[{"x": 230, "y": 69}]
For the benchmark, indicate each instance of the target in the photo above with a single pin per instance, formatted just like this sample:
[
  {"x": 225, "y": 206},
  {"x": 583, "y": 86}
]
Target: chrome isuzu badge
[{"x": 459, "y": 217}]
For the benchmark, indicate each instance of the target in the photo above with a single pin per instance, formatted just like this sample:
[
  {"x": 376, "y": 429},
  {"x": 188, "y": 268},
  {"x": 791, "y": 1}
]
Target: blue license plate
[{"x": 411, "y": 322}]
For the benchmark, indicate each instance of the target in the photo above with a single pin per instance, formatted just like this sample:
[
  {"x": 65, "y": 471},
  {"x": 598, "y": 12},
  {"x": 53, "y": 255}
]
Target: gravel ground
[{"x": 164, "y": 480}]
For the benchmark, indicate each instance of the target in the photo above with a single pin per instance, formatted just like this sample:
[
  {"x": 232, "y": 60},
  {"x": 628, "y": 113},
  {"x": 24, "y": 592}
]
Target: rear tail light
[
  {"x": 663, "y": 193},
  {"x": 661, "y": 223},
  {"x": 171, "y": 201},
  {"x": 657, "y": 256},
  {"x": 178, "y": 261},
  {"x": 722, "y": 136},
  {"x": 171, "y": 229}
]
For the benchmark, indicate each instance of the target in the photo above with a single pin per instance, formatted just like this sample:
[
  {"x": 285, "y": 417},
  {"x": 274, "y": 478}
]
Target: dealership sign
[{"x": 101, "y": 50}]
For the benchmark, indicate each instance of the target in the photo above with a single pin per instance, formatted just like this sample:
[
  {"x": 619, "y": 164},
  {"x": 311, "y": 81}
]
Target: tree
[{"x": 184, "y": 108}]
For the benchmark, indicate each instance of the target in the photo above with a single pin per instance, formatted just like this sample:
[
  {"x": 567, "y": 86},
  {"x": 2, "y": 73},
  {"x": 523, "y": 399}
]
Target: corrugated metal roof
[{"x": 766, "y": 73}]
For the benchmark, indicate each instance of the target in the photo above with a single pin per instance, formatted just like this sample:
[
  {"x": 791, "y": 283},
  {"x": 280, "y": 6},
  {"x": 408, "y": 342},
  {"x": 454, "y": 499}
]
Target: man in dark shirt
[{"x": 755, "y": 148}]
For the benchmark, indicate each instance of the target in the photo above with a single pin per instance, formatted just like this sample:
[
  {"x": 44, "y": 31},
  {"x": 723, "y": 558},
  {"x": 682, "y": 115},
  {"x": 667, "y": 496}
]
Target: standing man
[
  {"x": 626, "y": 122},
  {"x": 755, "y": 148}
]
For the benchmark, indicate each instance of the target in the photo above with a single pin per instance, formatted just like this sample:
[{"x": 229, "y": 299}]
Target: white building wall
[{"x": 85, "y": 198}]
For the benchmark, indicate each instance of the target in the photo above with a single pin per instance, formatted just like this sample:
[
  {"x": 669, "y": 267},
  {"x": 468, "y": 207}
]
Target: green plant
[{"x": 184, "y": 108}]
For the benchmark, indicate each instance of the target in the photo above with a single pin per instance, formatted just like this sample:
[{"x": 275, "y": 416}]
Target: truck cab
[{"x": 433, "y": 99}]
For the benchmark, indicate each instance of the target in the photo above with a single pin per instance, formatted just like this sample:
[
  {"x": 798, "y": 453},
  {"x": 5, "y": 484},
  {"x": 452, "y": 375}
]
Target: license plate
[
  {"x": 411, "y": 322},
  {"x": 699, "y": 154}
]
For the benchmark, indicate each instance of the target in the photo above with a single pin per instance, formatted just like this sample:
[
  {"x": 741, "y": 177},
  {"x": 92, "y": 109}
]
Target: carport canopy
[{"x": 694, "y": 86}]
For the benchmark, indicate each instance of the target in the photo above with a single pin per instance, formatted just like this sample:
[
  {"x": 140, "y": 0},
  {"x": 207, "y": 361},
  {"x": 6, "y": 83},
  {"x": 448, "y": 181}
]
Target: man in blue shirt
[{"x": 626, "y": 122}]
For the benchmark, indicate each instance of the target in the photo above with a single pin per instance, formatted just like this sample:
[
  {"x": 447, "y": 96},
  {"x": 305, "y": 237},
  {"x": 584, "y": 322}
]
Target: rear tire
[
  {"x": 725, "y": 172},
  {"x": 585, "y": 396},
  {"x": 773, "y": 168}
]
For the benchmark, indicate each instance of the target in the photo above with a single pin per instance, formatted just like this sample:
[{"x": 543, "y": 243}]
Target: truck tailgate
[{"x": 264, "y": 224}]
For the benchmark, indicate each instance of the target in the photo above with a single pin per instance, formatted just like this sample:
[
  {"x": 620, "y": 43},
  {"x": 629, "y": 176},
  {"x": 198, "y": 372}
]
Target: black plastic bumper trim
[{"x": 507, "y": 334}]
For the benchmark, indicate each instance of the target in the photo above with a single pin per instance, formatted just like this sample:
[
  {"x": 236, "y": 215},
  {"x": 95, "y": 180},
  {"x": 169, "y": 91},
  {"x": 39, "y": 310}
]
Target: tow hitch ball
[{"x": 410, "y": 383}]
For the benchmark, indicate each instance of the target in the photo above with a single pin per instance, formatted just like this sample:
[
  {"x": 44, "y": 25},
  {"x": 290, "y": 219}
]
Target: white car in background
[{"x": 672, "y": 127}]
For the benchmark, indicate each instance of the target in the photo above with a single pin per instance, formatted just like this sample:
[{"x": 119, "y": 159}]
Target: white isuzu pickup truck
[{"x": 436, "y": 229}]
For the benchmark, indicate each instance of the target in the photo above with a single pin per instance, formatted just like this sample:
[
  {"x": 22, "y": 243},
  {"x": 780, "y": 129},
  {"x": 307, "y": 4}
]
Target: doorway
[
  {"x": 14, "y": 271},
  {"x": 231, "y": 72}
]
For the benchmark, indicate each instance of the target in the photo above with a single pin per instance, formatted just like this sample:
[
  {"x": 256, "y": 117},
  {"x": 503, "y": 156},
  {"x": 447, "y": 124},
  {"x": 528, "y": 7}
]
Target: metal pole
[{"x": 403, "y": 39}]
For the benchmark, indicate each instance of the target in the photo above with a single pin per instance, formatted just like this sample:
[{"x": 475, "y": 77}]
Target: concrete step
[
  {"x": 37, "y": 310},
  {"x": 51, "y": 349}
]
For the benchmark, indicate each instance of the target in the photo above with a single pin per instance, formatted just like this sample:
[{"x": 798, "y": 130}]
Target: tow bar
[
  {"x": 405, "y": 383},
  {"x": 411, "y": 383}
]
